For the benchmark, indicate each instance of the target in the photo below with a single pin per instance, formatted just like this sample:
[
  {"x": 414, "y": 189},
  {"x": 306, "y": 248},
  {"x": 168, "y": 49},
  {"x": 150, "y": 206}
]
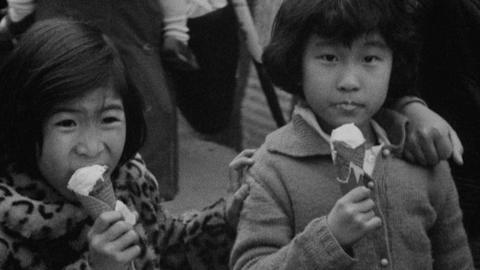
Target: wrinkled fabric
[{"x": 293, "y": 188}]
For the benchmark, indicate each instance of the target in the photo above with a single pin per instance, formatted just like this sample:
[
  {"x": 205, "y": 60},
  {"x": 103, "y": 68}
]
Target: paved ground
[
  {"x": 203, "y": 165},
  {"x": 203, "y": 172}
]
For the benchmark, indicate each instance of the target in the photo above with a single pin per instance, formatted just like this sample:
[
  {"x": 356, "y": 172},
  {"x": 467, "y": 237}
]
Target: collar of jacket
[{"x": 299, "y": 139}]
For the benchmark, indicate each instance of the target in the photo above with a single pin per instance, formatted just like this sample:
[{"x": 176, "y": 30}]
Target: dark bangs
[
  {"x": 58, "y": 61},
  {"x": 345, "y": 21},
  {"x": 341, "y": 21}
]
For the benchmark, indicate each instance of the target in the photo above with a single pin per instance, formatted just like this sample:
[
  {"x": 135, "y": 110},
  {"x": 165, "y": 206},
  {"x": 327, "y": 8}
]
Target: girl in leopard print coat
[{"x": 66, "y": 103}]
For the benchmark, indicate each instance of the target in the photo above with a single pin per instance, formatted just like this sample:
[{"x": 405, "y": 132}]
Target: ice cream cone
[
  {"x": 101, "y": 199},
  {"x": 344, "y": 155},
  {"x": 348, "y": 153},
  {"x": 93, "y": 190}
]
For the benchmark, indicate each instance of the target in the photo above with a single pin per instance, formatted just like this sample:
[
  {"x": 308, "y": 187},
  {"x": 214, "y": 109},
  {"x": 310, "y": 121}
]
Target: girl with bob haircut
[
  {"x": 344, "y": 59},
  {"x": 282, "y": 57},
  {"x": 66, "y": 103}
]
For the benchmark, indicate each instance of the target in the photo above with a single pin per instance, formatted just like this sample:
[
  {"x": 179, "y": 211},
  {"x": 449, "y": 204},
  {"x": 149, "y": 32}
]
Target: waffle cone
[
  {"x": 348, "y": 165},
  {"x": 100, "y": 200}
]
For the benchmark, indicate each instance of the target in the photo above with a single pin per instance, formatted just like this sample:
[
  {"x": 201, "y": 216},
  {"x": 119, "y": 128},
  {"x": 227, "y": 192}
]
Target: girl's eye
[
  {"x": 371, "y": 58},
  {"x": 113, "y": 118},
  {"x": 67, "y": 123},
  {"x": 110, "y": 120},
  {"x": 328, "y": 57}
]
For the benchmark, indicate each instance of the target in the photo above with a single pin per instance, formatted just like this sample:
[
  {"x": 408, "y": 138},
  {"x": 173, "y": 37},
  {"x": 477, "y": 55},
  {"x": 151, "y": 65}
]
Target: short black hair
[
  {"x": 342, "y": 21},
  {"x": 57, "y": 61}
]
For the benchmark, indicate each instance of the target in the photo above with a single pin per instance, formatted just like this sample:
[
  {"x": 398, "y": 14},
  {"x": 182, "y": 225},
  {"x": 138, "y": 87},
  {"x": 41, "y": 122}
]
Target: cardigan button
[
  {"x": 384, "y": 262},
  {"x": 370, "y": 184}
]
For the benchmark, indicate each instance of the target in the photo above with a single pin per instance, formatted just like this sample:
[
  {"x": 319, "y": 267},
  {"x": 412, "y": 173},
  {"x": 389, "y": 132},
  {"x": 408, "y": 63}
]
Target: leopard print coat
[{"x": 40, "y": 230}]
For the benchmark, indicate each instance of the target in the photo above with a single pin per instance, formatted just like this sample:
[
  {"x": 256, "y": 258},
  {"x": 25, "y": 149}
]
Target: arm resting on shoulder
[
  {"x": 430, "y": 138},
  {"x": 195, "y": 238}
]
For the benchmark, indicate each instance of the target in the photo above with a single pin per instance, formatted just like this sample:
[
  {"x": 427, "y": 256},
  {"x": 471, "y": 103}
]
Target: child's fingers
[
  {"x": 356, "y": 195},
  {"x": 374, "y": 223},
  {"x": 104, "y": 221},
  {"x": 235, "y": 205},
  {"x": 457, "y": 147},
  {"x": 415, "y": 148},
  {"x": 241, "y": 162},
  {"x": 368, "y": 215},
  {"x": 444, "y": 146},
  {"x": 126, "y": 240},
  {"x": 117, "y": 230},
  {"x": 242, "y": 159},
  {"x": 234, "y": 180},
  {"x": 237, "y": 200},
  {"x": 129, "y": 254},
  {"x": 428, "y": 147},
  {"x": 241, "y": 194},
  {"x": 248, "y": 152},
  {"x": 365, "y": 205}
]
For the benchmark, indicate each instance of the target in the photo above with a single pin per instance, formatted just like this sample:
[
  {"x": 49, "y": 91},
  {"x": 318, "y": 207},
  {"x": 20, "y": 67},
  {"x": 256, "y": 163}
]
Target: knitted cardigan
[{"x": 293, "y": 188}]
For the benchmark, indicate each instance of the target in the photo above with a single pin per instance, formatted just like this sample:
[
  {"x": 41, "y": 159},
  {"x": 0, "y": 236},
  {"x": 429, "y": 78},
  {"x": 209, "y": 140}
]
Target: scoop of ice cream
[
  {"x": 348, "y": 134},
  {"x": 84, "y": 179},
  {"x": 347, "y": 143}
]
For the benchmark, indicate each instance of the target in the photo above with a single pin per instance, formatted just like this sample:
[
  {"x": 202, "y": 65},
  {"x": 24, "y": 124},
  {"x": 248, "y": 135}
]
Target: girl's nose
[
  {"x": 89, "y": 144},
  {"x": 349, "y": 79}
]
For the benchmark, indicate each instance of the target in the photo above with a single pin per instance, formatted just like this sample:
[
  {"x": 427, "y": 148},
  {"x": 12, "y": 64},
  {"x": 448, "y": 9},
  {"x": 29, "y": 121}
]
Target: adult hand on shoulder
[
  {"x": 430, "y": 138},
  {"x": 112, "y": 242},
  {"x": 352, "y": 217}
]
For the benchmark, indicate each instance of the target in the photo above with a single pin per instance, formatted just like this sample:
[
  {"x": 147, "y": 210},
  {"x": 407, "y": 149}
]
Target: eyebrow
[
  {"x": 375, "y": 43},
  {"x": 110, "y": 107},
  {"x": 369, "y": 42}
]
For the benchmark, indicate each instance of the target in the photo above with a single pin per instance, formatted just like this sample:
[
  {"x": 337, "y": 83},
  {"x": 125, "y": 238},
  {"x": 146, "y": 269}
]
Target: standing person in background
[
  {"x": 449, "y": 82},
  {"x": 176, "y": 32}
]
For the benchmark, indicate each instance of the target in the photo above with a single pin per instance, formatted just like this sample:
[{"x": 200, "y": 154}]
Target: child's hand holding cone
[
  {"x": 354, "y": 214},
  {"x": 113, "y": 240}
]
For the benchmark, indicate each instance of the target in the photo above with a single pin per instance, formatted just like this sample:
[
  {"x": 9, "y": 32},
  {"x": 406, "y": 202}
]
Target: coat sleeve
[
  {"x": 200, "y": 238},
  {"x": 450, "y": 248},
  {"x": 266, "y": 238},
  {"x": 81, "y": 263}
]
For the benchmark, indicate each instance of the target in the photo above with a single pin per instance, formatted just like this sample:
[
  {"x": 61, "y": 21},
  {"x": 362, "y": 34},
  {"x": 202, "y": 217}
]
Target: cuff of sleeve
[
  {"x": 323, "y": 247},
  {"x": 404, "y": 101},
  {"x": 5, "y": 35},
  {"x": 176, "y": 27}
]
